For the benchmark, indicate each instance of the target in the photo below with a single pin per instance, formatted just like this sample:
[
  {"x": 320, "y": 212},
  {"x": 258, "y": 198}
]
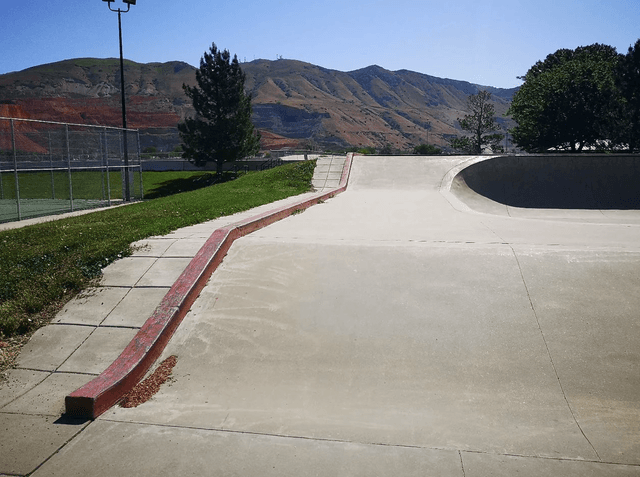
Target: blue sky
[{"x": 488, "y": 42}]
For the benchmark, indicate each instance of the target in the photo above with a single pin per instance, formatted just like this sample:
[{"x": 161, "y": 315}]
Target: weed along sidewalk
[{"x": 388, "y": 330}]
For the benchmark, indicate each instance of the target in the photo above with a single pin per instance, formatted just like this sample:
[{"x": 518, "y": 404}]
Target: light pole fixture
[{"x": 127, "y": 188}]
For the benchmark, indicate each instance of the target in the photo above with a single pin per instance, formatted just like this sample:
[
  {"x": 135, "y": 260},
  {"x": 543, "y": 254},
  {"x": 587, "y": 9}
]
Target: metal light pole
[{"x": 127, "y": 187}]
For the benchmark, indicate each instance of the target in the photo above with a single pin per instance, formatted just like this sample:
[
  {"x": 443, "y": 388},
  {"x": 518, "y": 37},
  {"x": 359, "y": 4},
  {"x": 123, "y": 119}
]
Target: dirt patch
[{"x": 146, "y": 389}]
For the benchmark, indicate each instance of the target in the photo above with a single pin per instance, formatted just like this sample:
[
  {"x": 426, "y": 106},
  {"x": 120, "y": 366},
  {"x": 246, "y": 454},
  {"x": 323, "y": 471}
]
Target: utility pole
[{"x": 127, "y": 185}]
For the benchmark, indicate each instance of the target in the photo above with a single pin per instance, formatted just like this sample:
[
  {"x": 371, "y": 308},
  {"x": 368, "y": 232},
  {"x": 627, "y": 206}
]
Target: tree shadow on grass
[{"x": 175, "y": 186}]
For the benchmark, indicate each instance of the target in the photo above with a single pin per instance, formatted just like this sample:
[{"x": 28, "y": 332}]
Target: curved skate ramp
[{"x": 593, "y": 182}]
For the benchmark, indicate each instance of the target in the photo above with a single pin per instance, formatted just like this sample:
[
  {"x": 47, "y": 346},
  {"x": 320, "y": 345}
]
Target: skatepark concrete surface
[{"x": 407, "y": 326}]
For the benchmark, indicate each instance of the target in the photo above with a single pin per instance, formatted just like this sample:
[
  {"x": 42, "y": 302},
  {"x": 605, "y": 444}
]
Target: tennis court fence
[{"x": 51, "y": 167}]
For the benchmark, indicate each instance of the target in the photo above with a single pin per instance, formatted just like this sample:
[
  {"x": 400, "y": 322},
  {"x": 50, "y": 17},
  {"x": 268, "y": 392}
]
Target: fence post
[
  {"x": 140, "y": 166},
  {"x": 66, "y": 131},
  {"x": 53, "y": 186},
  {"x": 1, "y": 181},
  {"x": 106, "y": 164},
  {"x": 101, "y": 163},
  {"x": 15, "y": 167},
  {"x": 123, "y": 171},
  {"x": 1, "y": 184}
]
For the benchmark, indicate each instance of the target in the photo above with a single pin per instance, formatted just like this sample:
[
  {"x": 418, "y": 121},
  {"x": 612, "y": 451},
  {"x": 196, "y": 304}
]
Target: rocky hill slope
[{"x": 294, "y": 103}]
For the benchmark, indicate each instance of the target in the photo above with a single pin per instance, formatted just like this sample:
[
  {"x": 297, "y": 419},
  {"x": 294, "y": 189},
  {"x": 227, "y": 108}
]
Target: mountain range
[{"x": 295, "y": 104}]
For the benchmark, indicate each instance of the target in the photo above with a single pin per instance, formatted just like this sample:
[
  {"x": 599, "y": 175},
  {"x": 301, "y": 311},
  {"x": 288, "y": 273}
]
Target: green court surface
[
  {"x": 30, "y": 208},
  {"x": 47, "y": 193}
]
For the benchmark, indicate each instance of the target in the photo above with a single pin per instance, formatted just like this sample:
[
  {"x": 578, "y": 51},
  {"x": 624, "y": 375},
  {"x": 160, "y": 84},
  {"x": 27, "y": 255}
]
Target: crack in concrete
[
  {"x": 553, "y": 364},
  {"x": 544, "y": 340}
]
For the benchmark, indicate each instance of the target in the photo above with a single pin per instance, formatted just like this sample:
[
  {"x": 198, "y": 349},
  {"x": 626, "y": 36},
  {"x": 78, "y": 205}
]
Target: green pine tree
[
  {"x": 480, "y": 123},
  {"x": 222, "y": 130}
]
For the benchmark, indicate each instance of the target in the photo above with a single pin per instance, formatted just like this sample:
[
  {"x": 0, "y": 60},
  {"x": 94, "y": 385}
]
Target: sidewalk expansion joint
[
  {"x": 549, "y": 458},
  {"x": 79, "y": 373},
  {"x": 373, "y": 444},
  {"x": 35, "y": 369},
  {"x": 151, "y": 287},
  {"x": 29, "y": 389},
  {"x": 268, "y": 434},
  {"x": 78, "y": 347},
  {"x": 32, "y": 414},
  {"x": 55, "y": 371},
  {"x": 82, "y": 425},
  {"x": 461, "y": 463},
  {"x": 67, "y": 323},
  {"x": 122, "y": 327}
]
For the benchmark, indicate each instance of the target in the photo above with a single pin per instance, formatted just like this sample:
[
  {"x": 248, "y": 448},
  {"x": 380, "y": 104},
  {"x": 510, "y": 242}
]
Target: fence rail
[{"x": 51, "y": 167}]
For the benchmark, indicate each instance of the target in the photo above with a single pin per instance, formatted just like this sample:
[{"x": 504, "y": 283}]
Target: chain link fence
[{"x": 50, "y": 167}]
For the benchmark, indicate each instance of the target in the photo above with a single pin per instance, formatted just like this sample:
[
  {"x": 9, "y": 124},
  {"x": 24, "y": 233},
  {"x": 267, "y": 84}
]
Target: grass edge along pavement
[
  {"x": 44, "y": 265},
  {"x": 125, "y": 372}
]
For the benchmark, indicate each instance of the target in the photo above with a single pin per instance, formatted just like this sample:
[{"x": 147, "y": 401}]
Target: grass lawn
[{"x": 42, "y": 266}]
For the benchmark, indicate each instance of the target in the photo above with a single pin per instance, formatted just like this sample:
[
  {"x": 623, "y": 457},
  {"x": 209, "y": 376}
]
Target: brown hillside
[
  {"x": 294, "y": 103},
  {"x": 21, "y": 130}
]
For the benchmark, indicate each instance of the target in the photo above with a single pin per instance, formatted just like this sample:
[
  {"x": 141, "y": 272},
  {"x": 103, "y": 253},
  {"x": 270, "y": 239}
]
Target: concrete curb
[{"x": 97, "y": 396}]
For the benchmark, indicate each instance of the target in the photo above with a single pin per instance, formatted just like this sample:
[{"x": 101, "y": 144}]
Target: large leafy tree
[
  {"x": 221, "y": 130},
  {"x": 628, "y": 82},
  {"x": 568, "y": 101},
  {"x": 481, "y": 123}
]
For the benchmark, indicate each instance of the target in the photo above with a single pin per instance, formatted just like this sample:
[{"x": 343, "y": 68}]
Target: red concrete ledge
[{"x": 97, "y": 396}]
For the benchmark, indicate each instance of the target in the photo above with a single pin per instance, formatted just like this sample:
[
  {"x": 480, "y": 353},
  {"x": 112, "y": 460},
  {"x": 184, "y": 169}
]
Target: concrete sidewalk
[
  {"x": 389, "y": 331},
  {"x": 93, "y": 329}
]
